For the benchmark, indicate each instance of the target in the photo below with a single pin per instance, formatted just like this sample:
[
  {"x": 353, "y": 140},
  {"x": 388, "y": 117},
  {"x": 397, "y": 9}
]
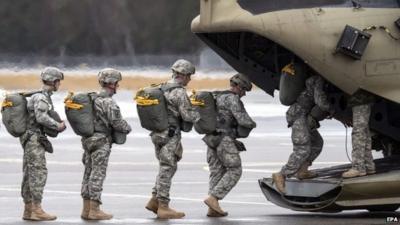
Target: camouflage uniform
[
  {"x": 307, "y": 142},
  {"x": 361, "y": 104},
  {"x": 168, "y": 149},
  {"x": 34, "y": 160},
  {"x": 98, "y": 147},
  {"x": 222, "y": 153}
]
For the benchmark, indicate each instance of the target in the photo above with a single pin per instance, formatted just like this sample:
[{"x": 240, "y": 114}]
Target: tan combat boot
[
  {"x": 165, "y": 212},
  {"x": 152, "y": 205},
  {"x": 39, "y": 215},
  {"x": 304, "y": 173},
  {"x": 95, "y": 213},
  {"x": 279, "y": 181},
  {"x": 353, "y": 173},
  {"x": 212, "y": 202},
  {"x": 86, "y": 209},
  {"x": 213, "y": 213},
  {"x": 27, "y": 211}
]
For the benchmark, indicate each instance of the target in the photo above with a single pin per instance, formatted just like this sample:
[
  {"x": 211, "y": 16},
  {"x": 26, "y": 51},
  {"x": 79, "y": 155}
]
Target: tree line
[{"x": 97, "y": 27}]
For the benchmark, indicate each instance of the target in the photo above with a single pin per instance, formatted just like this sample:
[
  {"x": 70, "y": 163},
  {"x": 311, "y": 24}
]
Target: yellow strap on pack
[
  {"x": 144, "y": 101},
  {"x": 70, "y": 104},
  {"x": 289, "y": 69},
  {"x": 194, "y": 101},
  {"x": 6, "y": 104}
]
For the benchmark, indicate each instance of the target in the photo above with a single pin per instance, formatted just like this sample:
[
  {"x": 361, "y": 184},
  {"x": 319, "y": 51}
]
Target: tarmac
[{"x": 133, "y": 168}]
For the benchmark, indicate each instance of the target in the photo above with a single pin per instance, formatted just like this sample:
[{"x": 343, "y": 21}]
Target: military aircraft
[{"x": 354, "y": 45}]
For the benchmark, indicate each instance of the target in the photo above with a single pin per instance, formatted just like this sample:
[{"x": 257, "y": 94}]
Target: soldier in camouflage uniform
[
  {"x": 35, "y": 144},
  {"x": 307, "y": 142},
  {"x": 167, "y": 143},
  {"x": 363, "y": 164},
  {"x": 223, "y": 149},
  {"x": 98, "y": 147}
]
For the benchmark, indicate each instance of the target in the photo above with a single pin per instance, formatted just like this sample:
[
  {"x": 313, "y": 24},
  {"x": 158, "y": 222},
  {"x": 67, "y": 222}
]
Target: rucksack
[
  {"x": 15, "y": 114},
  {"x": 80, "y": 112},
  {"x": 292, "y": 83},
  {"x": 152, "y": 106},
  {"x": 204, "y": 102}
]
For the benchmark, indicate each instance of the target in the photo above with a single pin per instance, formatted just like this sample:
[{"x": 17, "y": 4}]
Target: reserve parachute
[
  {"x": 14, "y": 113},
  {"x": 51, "y": 132},
  {"x": 152, "y": 106},
  {"x": 204, "y": 103}
]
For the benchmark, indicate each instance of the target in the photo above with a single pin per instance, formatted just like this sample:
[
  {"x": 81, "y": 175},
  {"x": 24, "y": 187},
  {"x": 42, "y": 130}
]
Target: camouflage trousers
[
  {"x": 168, "y": 152},
  {"x": 34, "y": 169},
  {"x": 225, "y": 168},
  {"x": 361, "y": 139},
  {"x": 307, "y": 145},
  {"x": 95, "y": 159}
]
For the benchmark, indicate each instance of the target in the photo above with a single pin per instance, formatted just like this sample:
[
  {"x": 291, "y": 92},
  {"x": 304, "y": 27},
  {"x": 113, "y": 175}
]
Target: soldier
[
  {"x": 98, "y": 147},
  {"x": 35, "y": 144},
  {"x": 167, "y": 143},
  {"x": 223, "y": 149},
  {"x": 307, "y": 142},
  {"x": 362, "y": 164}
]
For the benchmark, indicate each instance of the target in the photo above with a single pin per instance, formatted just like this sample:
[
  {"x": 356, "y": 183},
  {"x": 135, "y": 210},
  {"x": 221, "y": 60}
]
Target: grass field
[{"x": 75, "y": 82}]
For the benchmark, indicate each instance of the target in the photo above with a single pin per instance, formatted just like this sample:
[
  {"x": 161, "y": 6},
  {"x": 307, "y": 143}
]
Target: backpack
[
  {"x": 80, "y": 112},
  {"x": 204, "y": 102},
  {"x": 15, "y": 114},
  {"x": 152, "y": 106},
  {"x": 291, "y": 83}
]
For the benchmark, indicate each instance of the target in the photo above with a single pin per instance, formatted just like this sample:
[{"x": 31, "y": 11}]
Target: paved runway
[{"x": 133, "y": 167}]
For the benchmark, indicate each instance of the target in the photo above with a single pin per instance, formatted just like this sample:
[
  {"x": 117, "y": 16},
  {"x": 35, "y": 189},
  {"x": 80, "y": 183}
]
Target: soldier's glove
[
  {"x": 240, "y": 146},
  {"x": 48, "y": 147},
  {"x": 312, "y": 123},
  {"x": 62, "y": 127}
]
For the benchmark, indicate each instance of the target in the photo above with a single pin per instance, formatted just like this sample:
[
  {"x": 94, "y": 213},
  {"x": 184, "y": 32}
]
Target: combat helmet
[
  {"x": 242, "y": 81},
  {"x": 183, "y": 67},
  {"x": 51, "y": 74},
  {"x": 109, "y": 76}
]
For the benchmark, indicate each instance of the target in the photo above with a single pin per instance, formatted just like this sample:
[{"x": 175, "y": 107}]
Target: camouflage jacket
[
  {"x": 312, "y": 95},
  {"x": 108, "y": 115},
  {"x": 179, "y": 107},
  {"x": 231, "y": 113},
  {"x": 39, "y": 106}
]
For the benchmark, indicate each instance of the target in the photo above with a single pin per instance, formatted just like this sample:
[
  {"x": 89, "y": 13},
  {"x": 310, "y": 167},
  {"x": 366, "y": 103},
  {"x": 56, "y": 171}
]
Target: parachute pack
[
  {"x": 292, "y": 83},
  {"x": 15, "y": 114},
  {"x": 204, "y": 102},
  {"x": 81, "y": 115},
  {"x": 152, "y": 106}
]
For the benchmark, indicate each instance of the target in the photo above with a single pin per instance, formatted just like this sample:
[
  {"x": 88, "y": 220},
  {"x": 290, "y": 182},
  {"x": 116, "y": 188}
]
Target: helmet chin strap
[{"x": 111, "y": 90}]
